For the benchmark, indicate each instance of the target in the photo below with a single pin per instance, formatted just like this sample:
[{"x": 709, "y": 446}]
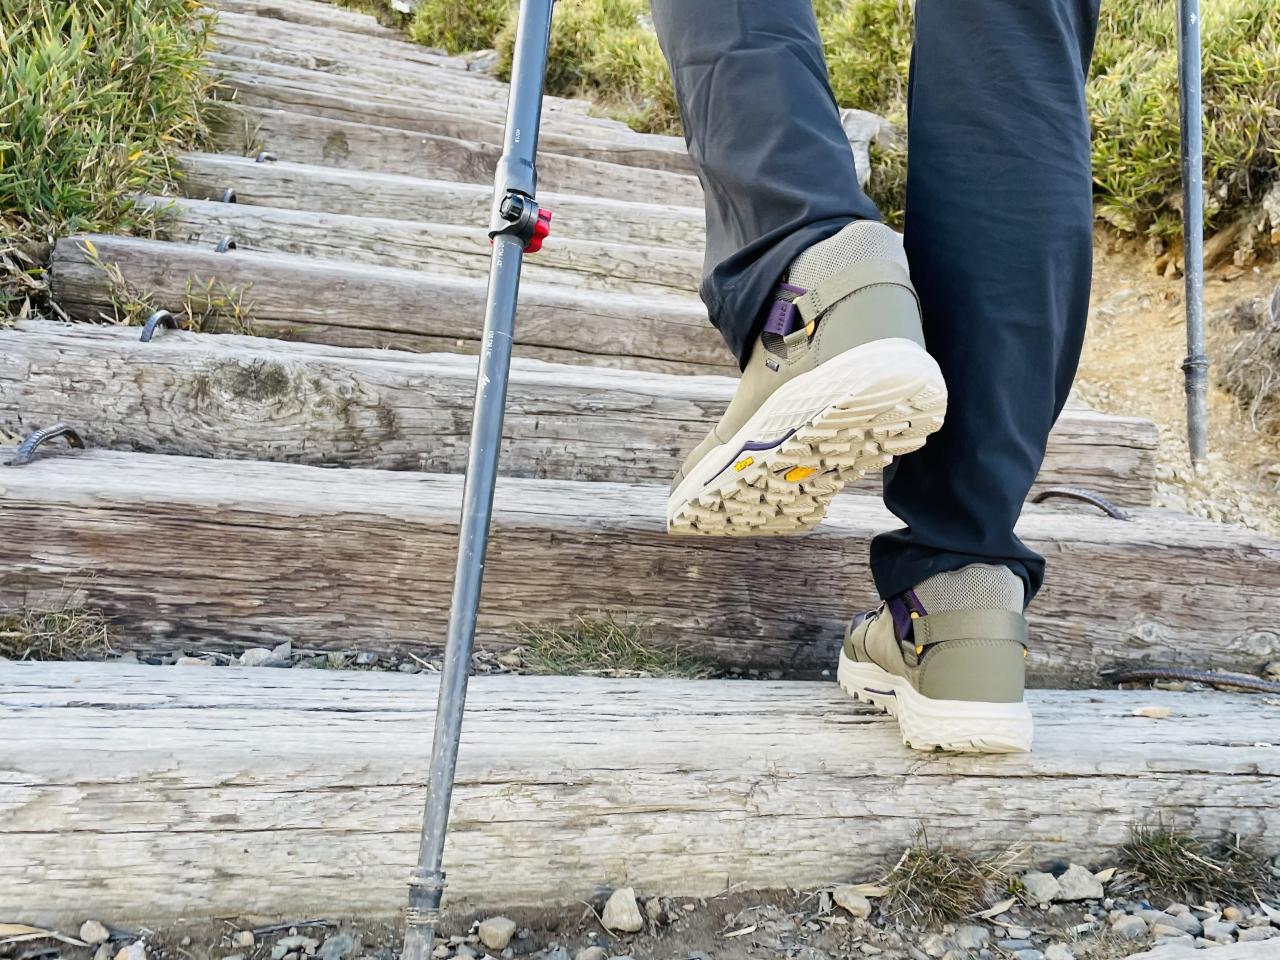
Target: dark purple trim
[
  {"x": 781, "y": 319},
  {"x": 753, "y": 446},
  {"x": 881, "y": 693}
]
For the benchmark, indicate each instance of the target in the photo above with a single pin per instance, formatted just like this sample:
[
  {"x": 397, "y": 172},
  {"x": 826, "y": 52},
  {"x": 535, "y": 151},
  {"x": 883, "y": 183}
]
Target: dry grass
[
  {"x": 64, "y": 633},
  {"x": 931, "y": 885},
  {"x": 1250, "y": 369},
  {"x": 604, "y": 646},
  {"x": 1174, "y": 864}
]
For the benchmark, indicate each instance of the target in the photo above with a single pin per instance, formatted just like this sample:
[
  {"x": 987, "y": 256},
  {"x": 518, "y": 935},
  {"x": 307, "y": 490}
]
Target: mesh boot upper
[
  {"x": 978, "y": 586},
  {"x": 860, "y": 240}
]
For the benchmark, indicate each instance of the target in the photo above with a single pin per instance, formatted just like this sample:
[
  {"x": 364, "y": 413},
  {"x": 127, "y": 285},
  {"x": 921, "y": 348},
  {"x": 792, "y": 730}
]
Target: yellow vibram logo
[
  {"x": 796, "y": 474},
  {"x": 744, "y": 463}
]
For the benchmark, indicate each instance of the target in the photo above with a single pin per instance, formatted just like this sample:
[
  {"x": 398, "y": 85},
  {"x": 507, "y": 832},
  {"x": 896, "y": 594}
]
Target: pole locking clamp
[{"x": 521, "y": 217}]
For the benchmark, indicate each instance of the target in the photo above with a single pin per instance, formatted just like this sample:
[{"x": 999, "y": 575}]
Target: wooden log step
[
  {"x": 365, "y": 146},
  {"x": 241, "y": 553},
  {"x": 200, "y": 395},
  {"x": 404, "y": 114},
  {"x": 357, "y": 305},
  {"x": 440, "y": 247},
  {"x": 722, "y": 784},
  {"x": 313, "y": 14},
  {"x": 300, "y": 186}
]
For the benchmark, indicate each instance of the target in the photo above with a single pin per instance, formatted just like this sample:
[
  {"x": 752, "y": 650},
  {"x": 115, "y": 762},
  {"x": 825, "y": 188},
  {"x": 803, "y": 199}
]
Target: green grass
[
  {"x": 607, "y": 50},
  {"x": 96, "y": 99},
  {"x": 605, "y": 646}
]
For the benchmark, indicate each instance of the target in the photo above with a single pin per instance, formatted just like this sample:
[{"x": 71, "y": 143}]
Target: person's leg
[
  {"x": 998, "y": 234},
  {"x": 765, "y": 137}
]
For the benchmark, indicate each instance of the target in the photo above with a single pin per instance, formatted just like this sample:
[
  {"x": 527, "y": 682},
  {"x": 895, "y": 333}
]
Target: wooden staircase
[{"x": 207, "y": 515}]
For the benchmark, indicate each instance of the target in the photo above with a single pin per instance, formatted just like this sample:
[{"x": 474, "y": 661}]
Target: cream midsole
[
  {"x": 873, "y": 679},
  {"x": 832, "y": 383}
]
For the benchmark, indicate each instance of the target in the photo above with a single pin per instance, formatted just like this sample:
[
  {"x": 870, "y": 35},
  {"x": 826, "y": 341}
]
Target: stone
[
  {"x": 190, "y": 662},
  {"x": 1017, "y": 933},
  {"x": 255, "y": 657},
  {"x": 1254, "y": 934},
  {"x": 1234, "y": 914},
  {"x": 441, "y": 951},
  {"x": 1129, "y": 928},
  {"x": 851, "y": 900},
  {"x": 591, "y": 953},
  {"x": 134, "y": 951},
  {"x": 496, "y": 932},
  {"x": 935, "y": 945},
  {"x": 92, "y": 932},
  {"x": 1185, "y": 923},
  {"x": 621, "y": 912},
  {"x": 339, "y": 946},
  {"x": 971, "y": 937},
  {"x": 104, "y": 952},
  {"x": 1219, "y": 931},
  {"x": 1029, "y": 954},
  {"x": 1077, "y": 883},
  {"x": 366, "y": 658},
  {"x": 464, "y": 952},
  {"x": 245, "y": 939},
  {"x": 1040, "y": 887},
  {"x": 1058, "y": 951},
  {"x": 1014, "y": 943},
  {"x": 556, "y": 953},
  {"x": 1166, "y": 931}
]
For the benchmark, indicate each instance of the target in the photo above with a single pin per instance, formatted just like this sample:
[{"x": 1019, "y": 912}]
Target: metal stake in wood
[
  {"x": 517, "y": 226},
  {"x": 1196, "y": 365}
]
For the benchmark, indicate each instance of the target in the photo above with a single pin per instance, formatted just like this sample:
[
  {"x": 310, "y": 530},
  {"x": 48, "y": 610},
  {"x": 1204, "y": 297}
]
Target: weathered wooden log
[
  {"x": 148, "y": 793},
  {"x": 338, "y": 103},
  {"x": 239, "y": 553},
  {"x": 298, "y": 186},
  {"x": 313, "y": 15},
  {"x": 366, "y": 146},
  {"x": 200, "y": 395},
  {"x": 443, "y": 248},
  {"x": 329, "y": 301}
]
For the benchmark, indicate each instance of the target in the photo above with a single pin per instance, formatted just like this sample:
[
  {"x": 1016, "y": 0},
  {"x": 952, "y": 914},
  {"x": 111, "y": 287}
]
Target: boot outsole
[{"x": 830, "y": 427}]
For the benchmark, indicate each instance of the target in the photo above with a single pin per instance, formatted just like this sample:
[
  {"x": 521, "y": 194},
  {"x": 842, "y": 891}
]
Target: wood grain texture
[
  {"x": 141, "y": 793},
  {"x": 440, "y": 247},
  {"x": 226, "y": 554},
  {"x": 300, "y": 186},
  {"x": 344, "y": 304},
  {"x": 313, "y": 15},
  {"x": 335, "y": 100},
  {"x": 202, "y": 395},
  {"x": 382, "y": 149}
]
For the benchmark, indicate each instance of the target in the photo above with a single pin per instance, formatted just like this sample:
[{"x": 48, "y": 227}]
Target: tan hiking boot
[
  {"x": 947, "y": 659},
  {"x": 837, "y": 385}
]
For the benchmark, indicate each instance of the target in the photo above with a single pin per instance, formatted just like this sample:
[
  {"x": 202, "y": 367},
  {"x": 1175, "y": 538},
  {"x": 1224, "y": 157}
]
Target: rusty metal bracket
[
  {"x": 27, "y": 450},
  {"x": 161, "y": 318},
  {"x": 265, "y": 157},
  {"x": 225, "y": 244},
  {"x": 1084, "y": 496},
  {"x": 229, "y": 195}
]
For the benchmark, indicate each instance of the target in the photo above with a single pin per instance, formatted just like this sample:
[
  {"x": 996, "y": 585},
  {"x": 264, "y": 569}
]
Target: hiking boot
[
  {"x": 947, "y": 660},
  {"x": 838, "y": 384}
]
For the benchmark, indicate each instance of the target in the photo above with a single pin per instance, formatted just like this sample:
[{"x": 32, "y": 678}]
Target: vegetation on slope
[{"x": 96, "y": 99}]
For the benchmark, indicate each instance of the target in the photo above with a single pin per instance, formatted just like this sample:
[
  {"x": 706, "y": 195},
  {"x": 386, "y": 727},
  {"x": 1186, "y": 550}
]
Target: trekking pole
[
  {"x": 517, "y": 226},
  {"x": 1196, "y": 365}
]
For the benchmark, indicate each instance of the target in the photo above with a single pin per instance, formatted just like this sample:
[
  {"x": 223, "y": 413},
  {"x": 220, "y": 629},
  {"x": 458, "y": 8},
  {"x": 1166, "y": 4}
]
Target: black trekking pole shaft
[
  {"x": 511, "y": 228},
  {"x": 1196, "y": 365}
]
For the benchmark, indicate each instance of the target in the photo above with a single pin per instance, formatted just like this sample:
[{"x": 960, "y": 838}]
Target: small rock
[
  {"x": 1152, "y": 713},
  {"x": 190, "y": 662},
  {"x": 93, "y": 932},
  {"x": 245, "y": 939},
  {"x": 511, "y": 660},
  {"x": 1079, "y": 884},
  {"x": 441, "y": 951},
  {"x": 1029, "y": 954},
  {"x": 366, "y": 658},
  {"x": 297, "y": 943},
  {"x": 255, "y": 657},
  {"x": 408, "y": 667},
  {"x": 935, "y": 945},
  {"x": 1014, "y": 943},
  {"x": 556, "y": 953},
  {"x": 1220, "y": 931},
  {"x": 281, "y": 652},
  {"x": 621, "y": 912},
  {"x": 1254, "y": 934},
  {"x": 134, "y": 951},
  {"x": 464, "y": 952},
  {"x": 1186, "y": 923},
  {"x": 1130, "y": 928},
  {"x": 852, "y": 901},
  {"x": 1040, "y": 887},
  {"x": 278, "y": 951},
  {"x": 1017, "y": 933},
  {"x": 591, "y": 953},
  {"x": 496, "y": 932},
  {"x": 104, "y": 952},
  {"x": 1058, "y": 951},
  {"x": 1234, "y": 914},
  {"x": 1165, "y": 930},
  {"x": 971, "y": 937},
  {"x": 338, "y": 947}
]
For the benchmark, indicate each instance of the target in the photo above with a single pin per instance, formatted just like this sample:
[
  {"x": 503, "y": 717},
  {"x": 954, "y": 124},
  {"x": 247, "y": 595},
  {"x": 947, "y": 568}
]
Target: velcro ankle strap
[
  {"x": 838, "y": 286},
  {"x": 969, "y": 625}
]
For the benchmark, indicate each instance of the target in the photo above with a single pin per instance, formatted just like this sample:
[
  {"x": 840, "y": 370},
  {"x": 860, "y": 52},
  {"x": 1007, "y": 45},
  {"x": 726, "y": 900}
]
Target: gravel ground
[{"x": 1066, "y": 912}]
